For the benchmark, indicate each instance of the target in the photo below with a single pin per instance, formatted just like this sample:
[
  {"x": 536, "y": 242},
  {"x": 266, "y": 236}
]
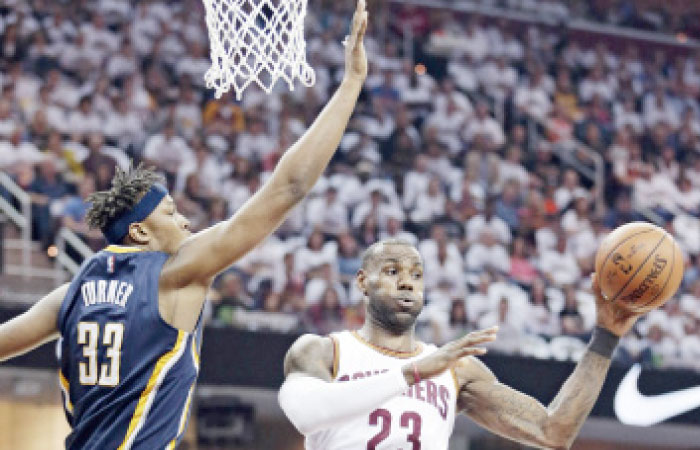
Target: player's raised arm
[
  {"x": 520, "y": 417},
  {"x": 207, "y": 253},
  {"x": 33, "y": 327},
  {"x": 312, "y": 402}
]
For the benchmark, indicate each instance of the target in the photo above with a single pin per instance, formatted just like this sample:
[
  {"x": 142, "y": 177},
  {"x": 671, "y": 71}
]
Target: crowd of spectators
[{"x": 441, "y": 154}]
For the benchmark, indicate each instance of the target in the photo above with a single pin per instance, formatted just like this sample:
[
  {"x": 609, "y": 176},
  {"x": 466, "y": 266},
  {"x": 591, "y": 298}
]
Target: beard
[{"x": 391, "y": 320}]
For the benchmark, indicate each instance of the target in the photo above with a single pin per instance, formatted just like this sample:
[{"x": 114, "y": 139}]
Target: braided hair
[{"x": 128, "y": 187}]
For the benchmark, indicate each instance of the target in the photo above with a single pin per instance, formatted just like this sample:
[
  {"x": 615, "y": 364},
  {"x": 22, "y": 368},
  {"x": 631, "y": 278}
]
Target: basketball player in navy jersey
[
  {"x": 130, "y": 320},
  {"x": 380, "y": 388}
]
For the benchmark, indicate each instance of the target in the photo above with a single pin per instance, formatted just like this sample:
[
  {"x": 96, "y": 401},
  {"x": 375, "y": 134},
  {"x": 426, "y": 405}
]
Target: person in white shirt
[
  {"x": 657, "y": 108},
  {"x": 559, "y": 265},
  {"x": 626, "y": 116},
  {"x": 487, "y": 253},
  {"x": 597, "y": 84},
  {"x": 188, "y": 112},
  {"x": 327, "y": 212},
  {"x": 498, "y": 77},
  {"x": 429, "y": 204},
  {"x": 488, "y": 219},
  {"x": 570, "y": 186},
  {"x": 482, "y": 124},
  {"x": 255, "y": 143},
  {"x": 167, "y": 150},
  {"x": 533, "y": 99},
  {"x": 123, "y": 125},
  {"x": 84, "y": 120}
]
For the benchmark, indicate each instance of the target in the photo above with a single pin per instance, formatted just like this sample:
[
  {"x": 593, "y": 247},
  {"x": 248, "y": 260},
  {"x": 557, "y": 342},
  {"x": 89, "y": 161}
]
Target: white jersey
[{"x": 421, "y": 418}]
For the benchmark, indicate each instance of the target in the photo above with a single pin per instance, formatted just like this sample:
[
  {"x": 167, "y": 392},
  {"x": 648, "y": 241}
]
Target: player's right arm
[
  {"x": 34, "y": 327},
  {"x": 313, "y": 402},
  {"x": 209, "y": 252}
]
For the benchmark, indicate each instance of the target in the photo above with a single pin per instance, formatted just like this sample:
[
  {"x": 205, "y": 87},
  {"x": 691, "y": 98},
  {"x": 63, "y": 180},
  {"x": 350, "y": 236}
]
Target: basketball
[{"x": 640, "y": 267}]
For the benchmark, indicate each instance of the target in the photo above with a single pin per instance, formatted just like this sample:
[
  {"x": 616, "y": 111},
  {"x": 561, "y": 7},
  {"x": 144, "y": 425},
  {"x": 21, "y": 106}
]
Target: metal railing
[
  {"x": 22, "y": 218},
  {"x": 564, "y": 150},
  {"x": 66, "y": 239}
]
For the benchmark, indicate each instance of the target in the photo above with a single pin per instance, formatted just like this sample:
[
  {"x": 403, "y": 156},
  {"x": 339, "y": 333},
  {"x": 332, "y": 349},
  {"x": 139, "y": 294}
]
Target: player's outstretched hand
[
  {"x": 608, "y": 316},
  {"x": 355, "y": 56},
  {"x": 448, "y": 355}
]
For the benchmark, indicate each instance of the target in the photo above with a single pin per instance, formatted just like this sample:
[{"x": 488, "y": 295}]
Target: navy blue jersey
[{"x": 127, "y": 376}]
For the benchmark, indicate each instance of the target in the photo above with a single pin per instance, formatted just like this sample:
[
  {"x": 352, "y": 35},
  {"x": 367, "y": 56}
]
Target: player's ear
[
  {"x": 138, "y": 233},
  {"x": 361, "y": 280}
]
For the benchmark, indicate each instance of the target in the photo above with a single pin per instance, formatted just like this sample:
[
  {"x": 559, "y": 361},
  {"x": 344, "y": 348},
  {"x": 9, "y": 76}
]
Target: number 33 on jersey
[{"x": 420, "y": 419}]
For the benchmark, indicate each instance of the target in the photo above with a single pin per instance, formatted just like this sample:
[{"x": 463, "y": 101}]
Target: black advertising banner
[{"x": 242, "y": 358}]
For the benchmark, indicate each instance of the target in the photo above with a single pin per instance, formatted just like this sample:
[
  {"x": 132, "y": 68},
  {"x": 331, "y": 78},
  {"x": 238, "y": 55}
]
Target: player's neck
[{"x": 374, "y": 334}]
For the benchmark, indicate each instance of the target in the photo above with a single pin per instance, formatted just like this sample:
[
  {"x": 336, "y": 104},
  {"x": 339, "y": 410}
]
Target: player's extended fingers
[
  {"x": 361, "y": 33},
  {"x": 477, "y": 336},
  {"x": 472, "y": 351}
]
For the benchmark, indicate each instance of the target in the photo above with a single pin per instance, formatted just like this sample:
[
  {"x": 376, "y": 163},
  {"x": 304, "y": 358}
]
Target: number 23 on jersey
[{"x": 409, "y": 420}]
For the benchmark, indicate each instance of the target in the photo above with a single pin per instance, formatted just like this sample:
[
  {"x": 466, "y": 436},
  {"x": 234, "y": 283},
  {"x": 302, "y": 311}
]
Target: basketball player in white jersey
[{"x": 380, "y": 388}]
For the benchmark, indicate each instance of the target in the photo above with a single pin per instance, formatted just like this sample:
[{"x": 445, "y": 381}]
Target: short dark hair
[
  {"x": 128, "y": 187},
  {"x": 369, "y": 254}
]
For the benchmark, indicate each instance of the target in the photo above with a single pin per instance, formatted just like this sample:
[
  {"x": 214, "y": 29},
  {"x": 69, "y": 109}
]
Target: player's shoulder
[
  {"x": 312, "y": 344},
  {"x": 309, "y": 351}
]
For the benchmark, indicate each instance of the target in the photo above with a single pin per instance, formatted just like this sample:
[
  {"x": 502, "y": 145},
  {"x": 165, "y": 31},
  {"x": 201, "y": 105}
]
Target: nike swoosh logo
[{"x": 634, "y": 408}]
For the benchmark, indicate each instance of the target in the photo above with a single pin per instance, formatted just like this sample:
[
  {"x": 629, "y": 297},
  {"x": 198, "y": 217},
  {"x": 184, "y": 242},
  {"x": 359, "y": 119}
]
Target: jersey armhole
[
  {"x": 155, "y": 293},
  {"x": 66, "y": 303}
]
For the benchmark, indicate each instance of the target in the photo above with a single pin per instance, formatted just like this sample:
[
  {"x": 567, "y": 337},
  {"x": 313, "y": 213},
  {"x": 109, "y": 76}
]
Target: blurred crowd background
[{"x": 504, "y": 151}]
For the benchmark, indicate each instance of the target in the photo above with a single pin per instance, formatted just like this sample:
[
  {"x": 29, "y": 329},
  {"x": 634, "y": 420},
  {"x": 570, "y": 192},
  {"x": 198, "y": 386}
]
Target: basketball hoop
[{"x": 256, "y": 41}]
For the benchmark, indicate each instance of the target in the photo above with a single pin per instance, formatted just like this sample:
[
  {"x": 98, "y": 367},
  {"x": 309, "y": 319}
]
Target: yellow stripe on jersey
[
  {"x": 146, "y": 399},
  {"x": 195, "y": 352},
  {"x": 185, "y": 411},
  {"x": 65, "y": 387},
  {"x": 122, "y": 249}
]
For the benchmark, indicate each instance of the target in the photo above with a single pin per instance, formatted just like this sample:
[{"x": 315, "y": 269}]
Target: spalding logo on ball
[{"x": 640, "y": 266}]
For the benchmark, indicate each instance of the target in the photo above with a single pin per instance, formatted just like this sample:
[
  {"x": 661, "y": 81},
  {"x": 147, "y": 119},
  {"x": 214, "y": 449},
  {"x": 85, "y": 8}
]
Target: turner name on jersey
[
  {"x": 420, "y": 418},
  {"x": 114, "y": 292}
]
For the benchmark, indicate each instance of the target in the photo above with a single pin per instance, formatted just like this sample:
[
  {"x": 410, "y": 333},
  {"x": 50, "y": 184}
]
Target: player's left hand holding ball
[{"x": 614, "y": 319}]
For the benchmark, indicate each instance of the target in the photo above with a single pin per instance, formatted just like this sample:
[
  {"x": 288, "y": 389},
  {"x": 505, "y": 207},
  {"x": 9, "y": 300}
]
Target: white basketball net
[{"x": 256, "y": 41}]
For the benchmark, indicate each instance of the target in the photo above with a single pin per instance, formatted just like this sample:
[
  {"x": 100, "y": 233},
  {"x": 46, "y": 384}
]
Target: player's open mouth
[{"x": 405, "y": 303}]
